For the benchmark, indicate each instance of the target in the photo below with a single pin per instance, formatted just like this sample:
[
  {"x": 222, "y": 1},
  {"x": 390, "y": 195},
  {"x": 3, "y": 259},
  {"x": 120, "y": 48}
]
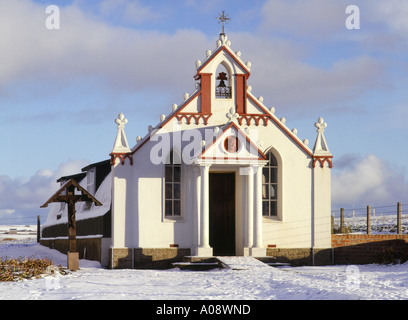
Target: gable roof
[
  {"x": 228, "y": 51},
  {"x": 77, "y": 177},
  {"x": 279, "y": 123},
  {"x": 246, "y": 149},
  {"x": 59, "y": 196},
  {"x": 264, "y": 115}
]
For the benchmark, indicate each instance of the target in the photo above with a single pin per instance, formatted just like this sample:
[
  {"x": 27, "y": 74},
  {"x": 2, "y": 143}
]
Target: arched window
[
  {"x": 173, "y": 186},
  {"x": 270, "y": 187}
]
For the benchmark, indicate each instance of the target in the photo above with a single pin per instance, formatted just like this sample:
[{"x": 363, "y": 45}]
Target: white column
[
  {"x": 258, "y": 209},
  {"x": 250, "y": 207},
  {"x": 205, "y": 225},
  {"x": 204, "y": 248},
  {"x": 258, "y": 249},
  {"x": 197, "y": 219}
]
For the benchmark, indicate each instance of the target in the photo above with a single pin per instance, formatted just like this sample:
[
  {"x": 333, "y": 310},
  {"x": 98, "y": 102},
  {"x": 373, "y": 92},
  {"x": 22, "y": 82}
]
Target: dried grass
[{"x": 24, "y": 268}]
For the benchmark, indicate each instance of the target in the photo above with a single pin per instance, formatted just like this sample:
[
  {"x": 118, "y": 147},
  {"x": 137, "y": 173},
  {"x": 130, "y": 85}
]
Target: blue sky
[{"x": 60, "y": 90}]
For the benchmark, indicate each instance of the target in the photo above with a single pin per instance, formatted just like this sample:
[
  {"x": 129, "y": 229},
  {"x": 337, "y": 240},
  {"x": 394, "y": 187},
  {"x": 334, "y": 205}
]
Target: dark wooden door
[{"x": 222, "y": 213}]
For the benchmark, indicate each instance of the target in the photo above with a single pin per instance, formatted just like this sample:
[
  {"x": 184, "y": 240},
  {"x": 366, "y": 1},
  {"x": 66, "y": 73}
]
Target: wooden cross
[
  {"x": 67, "y": 194},
  {"x": 223, "y": 18}
]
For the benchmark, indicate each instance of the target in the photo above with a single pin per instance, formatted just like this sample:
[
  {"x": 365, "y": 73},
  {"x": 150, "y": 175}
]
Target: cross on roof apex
[{"x": 223, "y": 18}]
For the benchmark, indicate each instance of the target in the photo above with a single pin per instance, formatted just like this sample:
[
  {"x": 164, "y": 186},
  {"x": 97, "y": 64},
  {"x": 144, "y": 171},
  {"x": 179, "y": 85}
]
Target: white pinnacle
[
  {"x": 121, "y": 145},
  {"x": 320, "y": 147}
]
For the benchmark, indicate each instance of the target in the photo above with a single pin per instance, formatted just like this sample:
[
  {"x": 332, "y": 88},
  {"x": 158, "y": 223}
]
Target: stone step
[
  {"x": 198, "y": 266},
  {"x": 230, "y": 262},
  {"x": 278, "y": 264},
  {"x": 242, "y": 263}
]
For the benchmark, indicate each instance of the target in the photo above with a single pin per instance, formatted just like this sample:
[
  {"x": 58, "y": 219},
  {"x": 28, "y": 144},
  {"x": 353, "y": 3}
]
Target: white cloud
[
  {"x": 86, "y": 48},
  {"x": 313, "y": 19},
  {"x": 23, "y": 197},
  {"x": 131, "y": 11},
  {"x": 367, "y": 181},
  {"x": 146, "y": 61},
  {"x": 323, "y": 19},
  {"x": 280, "y": 75},
  {"x": 6, "y": 212},
  {"x": 392, "y": 13}
]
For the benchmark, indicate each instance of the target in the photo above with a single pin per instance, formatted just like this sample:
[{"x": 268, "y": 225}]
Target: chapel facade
[{"x": 220, "y": 175}]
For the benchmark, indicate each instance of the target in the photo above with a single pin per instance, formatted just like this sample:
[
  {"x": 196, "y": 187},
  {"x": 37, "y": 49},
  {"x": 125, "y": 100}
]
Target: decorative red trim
[
  {"x": 183, "y": 115},
  {"x": 240, "y": 85},
  {"x": 231, "y": 158},
  {"x": 186, "y": 103},
  {"x": 140, "y": 145},
  {"x": 288, "y": 132},
  {"x": 257, "y": 117},
  {"x": 322, "y": 160},
  {"x": 206, "y": 93},
  {"x": 196, "y": 116},
  {"x": 122, "y": 157}
]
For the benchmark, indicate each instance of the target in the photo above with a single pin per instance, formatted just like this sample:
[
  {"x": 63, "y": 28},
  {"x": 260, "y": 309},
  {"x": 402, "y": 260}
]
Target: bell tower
[{"x": 223, "y": 77}]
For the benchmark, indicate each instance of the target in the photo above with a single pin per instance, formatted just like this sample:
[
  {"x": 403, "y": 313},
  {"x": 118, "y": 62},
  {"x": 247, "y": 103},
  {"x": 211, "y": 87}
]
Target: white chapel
[{"x": 220, "y": 175}]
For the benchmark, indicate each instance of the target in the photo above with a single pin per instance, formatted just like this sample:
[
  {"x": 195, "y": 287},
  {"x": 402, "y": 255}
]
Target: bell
[
  {"x": 222, "y": 84},
  {"x": 222, "y": 76}
]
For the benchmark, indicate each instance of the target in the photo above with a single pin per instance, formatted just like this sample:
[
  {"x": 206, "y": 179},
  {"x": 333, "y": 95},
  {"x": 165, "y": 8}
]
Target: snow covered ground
[
  {"x": 289, "y": 283},
  {"x": 94, "y": 282}
]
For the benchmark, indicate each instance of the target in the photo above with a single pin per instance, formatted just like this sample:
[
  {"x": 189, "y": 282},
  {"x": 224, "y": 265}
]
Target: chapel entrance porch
[{"x": 229, "y": 211}]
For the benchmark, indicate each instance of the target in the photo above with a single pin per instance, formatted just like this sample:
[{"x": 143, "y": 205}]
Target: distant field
[
  {"x": 379, "y": 224},
  {"x": 19, "y": 233}
]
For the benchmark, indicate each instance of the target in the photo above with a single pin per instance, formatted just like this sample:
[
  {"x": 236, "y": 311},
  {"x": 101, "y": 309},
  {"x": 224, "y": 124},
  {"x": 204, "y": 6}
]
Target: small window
[
  {"x": 90, "y": 181},
  {"x": 62, "y": 204},
  {"x": 172, "y": 188},
  {"x": 90, "y": 187},
  {"x": 270, "y": 187}
]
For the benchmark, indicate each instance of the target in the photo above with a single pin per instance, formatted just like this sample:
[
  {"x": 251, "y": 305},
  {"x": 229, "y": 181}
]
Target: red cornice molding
[
  {"x": 122, "y": 157},
  {"x": 197, "y": 116},
  {"x": 322, "y": 160},
  {"x": 178, "y": 114},
  {"x": 257, "y": 117},
  {"x": 186, "y": 103}
]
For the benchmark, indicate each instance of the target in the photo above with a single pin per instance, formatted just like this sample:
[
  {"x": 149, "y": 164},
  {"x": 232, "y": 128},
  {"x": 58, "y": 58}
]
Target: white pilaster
[
  {"x": 321, "y": 215},
  {"x": 120, "y": 175},
  {"x": 118, "y": 207}
]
